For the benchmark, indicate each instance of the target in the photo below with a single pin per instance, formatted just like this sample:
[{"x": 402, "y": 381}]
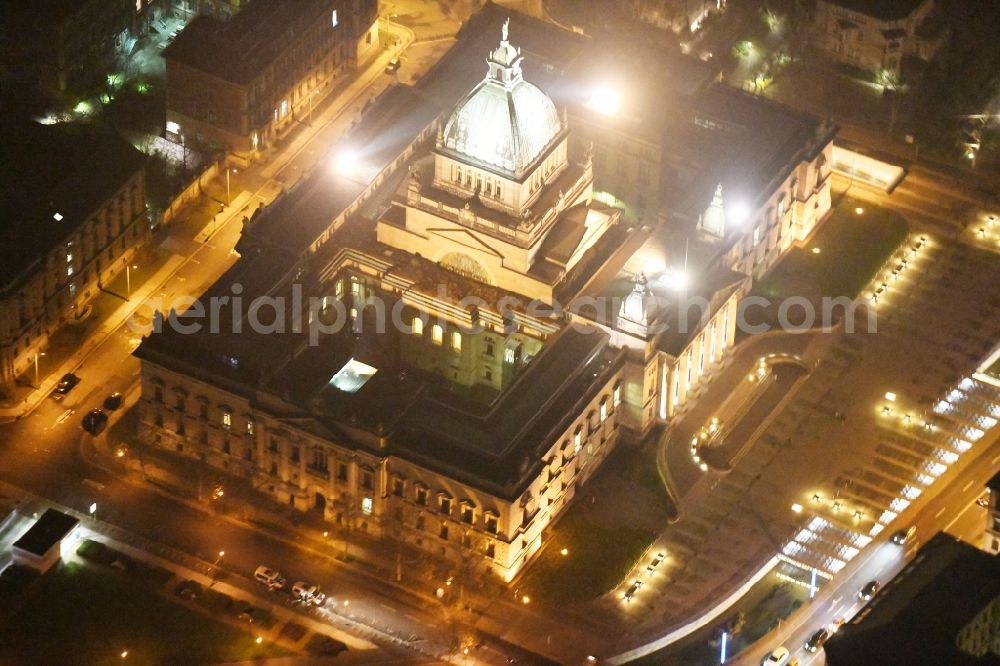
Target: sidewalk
[
  {"x": 179, "y": 479},
  {"x": 243, "y": 205},
  {"x": 108, "y": 327}
]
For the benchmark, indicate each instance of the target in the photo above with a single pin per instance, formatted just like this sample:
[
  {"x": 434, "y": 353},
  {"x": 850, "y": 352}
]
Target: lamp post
[
  {"x": 228, "y": 197},
  {"x": 128, "y": 280},
  {"x": 37, "y": 355},
  {"x": 93, "y": 510}
]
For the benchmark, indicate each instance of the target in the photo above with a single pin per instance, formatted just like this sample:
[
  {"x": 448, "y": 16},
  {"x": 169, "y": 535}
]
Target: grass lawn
[
  {"x": 598, "y": 558},
  {"x": 80, "y": 615},
  {"x": 852, "y": 249}
]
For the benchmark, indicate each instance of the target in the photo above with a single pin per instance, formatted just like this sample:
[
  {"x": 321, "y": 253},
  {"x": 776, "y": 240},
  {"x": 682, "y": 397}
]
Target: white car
[
  {"x": 308, "y": 593},
  {"x": 778, "y": 657},
  {"x": 269, "y": 577}
]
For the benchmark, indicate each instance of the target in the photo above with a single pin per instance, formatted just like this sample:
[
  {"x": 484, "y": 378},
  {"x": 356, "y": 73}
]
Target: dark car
[
  {"x": 113, "y": 402},
  {"x": 903, "y": 536},
  {"x": 869, "y": 590},
  {"x": 817, "y": 640},
  {"x": 65, "y": 385},
  {"x": 95, "y": 421}
]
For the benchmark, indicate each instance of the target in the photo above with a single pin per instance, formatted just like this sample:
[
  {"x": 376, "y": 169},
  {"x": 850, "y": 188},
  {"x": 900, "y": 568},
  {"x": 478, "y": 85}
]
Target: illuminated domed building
[
  {"x": 497, "y": 199},
  {"x": 467, "y": 394}
]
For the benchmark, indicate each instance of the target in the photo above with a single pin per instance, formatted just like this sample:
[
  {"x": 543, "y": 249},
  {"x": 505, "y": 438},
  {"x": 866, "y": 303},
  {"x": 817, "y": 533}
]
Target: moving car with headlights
[
  {"x": 308, "y": 593},
  {"x": 817, "y": 640},
  {"x": 904, "y": 536},
  {"x": 869, "y": 590}
]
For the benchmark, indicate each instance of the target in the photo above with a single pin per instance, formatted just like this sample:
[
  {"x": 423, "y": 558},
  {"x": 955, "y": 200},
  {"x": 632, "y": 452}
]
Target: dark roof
[
  {"x": 994, "y": 483},
  {"x": 884, "y": 10},
  {"x": 493, "y": 446},
  {"x": 47, "y": 531},
  {"x": 917, "y": 616},
  {"x": 239, "y": 49},
  {"x": 49, "y": 170}
]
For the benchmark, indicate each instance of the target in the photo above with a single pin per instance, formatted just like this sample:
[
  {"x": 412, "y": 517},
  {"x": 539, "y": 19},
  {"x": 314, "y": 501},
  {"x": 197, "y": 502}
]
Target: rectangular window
[
  {"x": 437, "y": 335},
  {"x": 604, "y": 411},
  {"x": 577, "y": 440},
  {"x": 491, "y": 549},
  {"x": 492, "y": 523},
  {"x": 446, "y": 505},
  {"x": 756, "y": 236},
  {"x": 456, "y": 341},
  {"x": 617, "y": 395},
  {"x": 398, "y": 487},
  {"x": 293, "y": 454},
  {"x": 418, "y": 326},
  {"x": 490, "y": 348},
  {"x": 333, "y": 18},
  {"x": 273, "y": 445},
  {"x": 444, "y": 531},
  {"x": 421, "y": 496},
  {"x": 367, "y": 479},
  {"x": 250, "y": 427},
  {"x": 467, "y": 514},
  {"x": 366, "y": 506},
  {"x": 342, "y": 471},
  {"x": 227, "y": 420}
]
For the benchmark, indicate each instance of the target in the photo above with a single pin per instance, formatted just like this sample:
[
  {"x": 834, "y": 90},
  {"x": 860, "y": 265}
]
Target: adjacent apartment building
[
  {"x": 241, "y": 84},
  {"x": 74, "y": 212},
  {"x": 877, "y": 35}
]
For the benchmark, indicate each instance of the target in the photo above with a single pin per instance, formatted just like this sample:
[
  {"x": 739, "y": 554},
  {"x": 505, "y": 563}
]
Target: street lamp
[
  {"x": 93, "y": 510},
  {"x": 228, "y": 169},
  {"x": 128, "y": 280},
  {"x": 37, "y": 355}
]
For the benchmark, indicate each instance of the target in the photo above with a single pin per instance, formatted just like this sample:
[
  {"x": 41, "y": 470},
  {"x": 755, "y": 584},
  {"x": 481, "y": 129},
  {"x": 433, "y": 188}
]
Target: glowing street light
[
  {"x": 346, "y": 162},
  {"x": 605, "y": 100},
  {"x": 676, "y": 279},
  {"x": 739, "y": 212}
]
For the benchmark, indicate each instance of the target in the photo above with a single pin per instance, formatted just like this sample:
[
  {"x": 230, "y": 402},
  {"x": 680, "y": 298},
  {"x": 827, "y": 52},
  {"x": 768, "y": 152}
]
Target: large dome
[{"x": 505, "y": 121}]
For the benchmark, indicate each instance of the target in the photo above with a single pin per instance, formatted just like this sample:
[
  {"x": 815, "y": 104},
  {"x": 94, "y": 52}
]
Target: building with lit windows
[
  {"x": 243, "y": 83},
  {"x": 501, "y": 322},
  {"x": 877, "y": 35},
  {"x": 220, "y": 9},
  {"x": 67, "y": 46},
  {"x": 74, "y": 212}
]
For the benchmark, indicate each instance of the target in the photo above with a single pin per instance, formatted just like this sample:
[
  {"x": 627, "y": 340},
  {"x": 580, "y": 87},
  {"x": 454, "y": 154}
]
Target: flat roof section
[{"x": 47, "y": 531}]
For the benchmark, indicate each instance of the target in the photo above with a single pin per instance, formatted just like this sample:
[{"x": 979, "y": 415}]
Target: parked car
[
  {"x": 632, "y": 590},
  {"x": 778, "y": 657},
  {"x": 655, "y": 563},
  {"x": 95, "y": 421},
  {"x": 903, "y": 536},
  {"x": 308, "y": 593},
  {"x": 65, "y": 385},
  {"x": 869, "y": 590},
  {"x": 817, "y": 640},
  {"x": 269, "y": 577},
  {"x": 393, "y": 65},
  {"x": 113, "y": 402}
]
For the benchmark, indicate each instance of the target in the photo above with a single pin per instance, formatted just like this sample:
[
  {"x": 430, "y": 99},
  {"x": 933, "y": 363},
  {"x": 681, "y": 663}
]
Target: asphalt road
[{"x": 954, "y": 511}]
